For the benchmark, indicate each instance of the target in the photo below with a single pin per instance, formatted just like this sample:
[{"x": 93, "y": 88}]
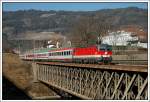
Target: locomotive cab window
[
  {"x": 109, "y": 48},
  {"x": 105, "y": 47}
]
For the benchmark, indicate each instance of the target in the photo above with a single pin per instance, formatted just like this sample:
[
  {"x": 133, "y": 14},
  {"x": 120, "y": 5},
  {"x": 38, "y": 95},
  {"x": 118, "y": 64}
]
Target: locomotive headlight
[
  {"x": 105, "y": 53},
  {"x": 100, "y": 59}
]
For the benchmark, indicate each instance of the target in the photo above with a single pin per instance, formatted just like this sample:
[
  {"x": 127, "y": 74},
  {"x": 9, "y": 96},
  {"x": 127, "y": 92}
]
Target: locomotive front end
[{"x": 105, "y": 52}]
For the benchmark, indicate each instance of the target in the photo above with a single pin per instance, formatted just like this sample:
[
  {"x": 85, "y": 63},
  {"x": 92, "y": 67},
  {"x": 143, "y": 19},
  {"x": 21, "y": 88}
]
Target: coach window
[
  {"x": 68, "y": 52},
  {"x": 64, "y": 53}
]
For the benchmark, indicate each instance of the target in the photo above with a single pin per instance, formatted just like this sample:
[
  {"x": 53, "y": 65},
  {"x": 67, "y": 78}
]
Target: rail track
[
  {"x": 133, "y": 68},
  {"x": 131, "y": 62}
]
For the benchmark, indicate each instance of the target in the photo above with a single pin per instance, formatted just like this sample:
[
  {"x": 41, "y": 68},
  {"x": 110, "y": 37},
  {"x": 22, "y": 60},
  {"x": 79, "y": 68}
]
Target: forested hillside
[{"x": 20, "y": 22}]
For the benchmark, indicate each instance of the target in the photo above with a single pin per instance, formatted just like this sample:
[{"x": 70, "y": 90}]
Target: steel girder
[{"x": 95, "y": 83}]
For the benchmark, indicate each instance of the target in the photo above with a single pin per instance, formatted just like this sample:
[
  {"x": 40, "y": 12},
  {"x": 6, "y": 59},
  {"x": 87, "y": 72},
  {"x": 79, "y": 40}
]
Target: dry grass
[
  {"x": 39, "y": 89},
  {"x": 15, "y": 70},
  {"x": 20, "y": 74}
]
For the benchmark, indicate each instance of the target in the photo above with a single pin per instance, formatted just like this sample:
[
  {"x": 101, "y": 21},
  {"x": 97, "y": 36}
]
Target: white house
[
  {"x": 122, "y": 38},
  {"x": 142, "y": 44}
]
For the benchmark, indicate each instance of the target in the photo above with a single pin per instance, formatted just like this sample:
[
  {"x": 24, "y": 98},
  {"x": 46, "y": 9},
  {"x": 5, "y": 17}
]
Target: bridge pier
[{"x": 34, "y": 71}]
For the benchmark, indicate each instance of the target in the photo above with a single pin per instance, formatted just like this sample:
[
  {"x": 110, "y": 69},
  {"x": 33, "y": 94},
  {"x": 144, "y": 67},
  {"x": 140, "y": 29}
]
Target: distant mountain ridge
[{"x": 16, "y": 22}]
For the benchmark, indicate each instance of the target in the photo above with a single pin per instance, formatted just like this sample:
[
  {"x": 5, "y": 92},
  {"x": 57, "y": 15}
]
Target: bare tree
[{"x": 88, "y": 29}]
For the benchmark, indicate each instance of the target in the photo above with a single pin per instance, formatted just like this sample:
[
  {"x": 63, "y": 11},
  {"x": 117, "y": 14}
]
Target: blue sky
[{"x": 69, "y": 6}]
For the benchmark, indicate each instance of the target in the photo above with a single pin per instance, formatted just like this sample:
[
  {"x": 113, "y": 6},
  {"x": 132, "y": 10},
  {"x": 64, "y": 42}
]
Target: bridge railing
[{"x": 95, "y": 83}]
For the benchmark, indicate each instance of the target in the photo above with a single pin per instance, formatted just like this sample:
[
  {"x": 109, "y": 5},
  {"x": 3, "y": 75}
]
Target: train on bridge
[{"x": 95, "y": 54}]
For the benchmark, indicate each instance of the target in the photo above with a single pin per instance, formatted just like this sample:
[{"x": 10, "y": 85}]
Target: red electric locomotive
[{"x": 95, "y": 54}]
